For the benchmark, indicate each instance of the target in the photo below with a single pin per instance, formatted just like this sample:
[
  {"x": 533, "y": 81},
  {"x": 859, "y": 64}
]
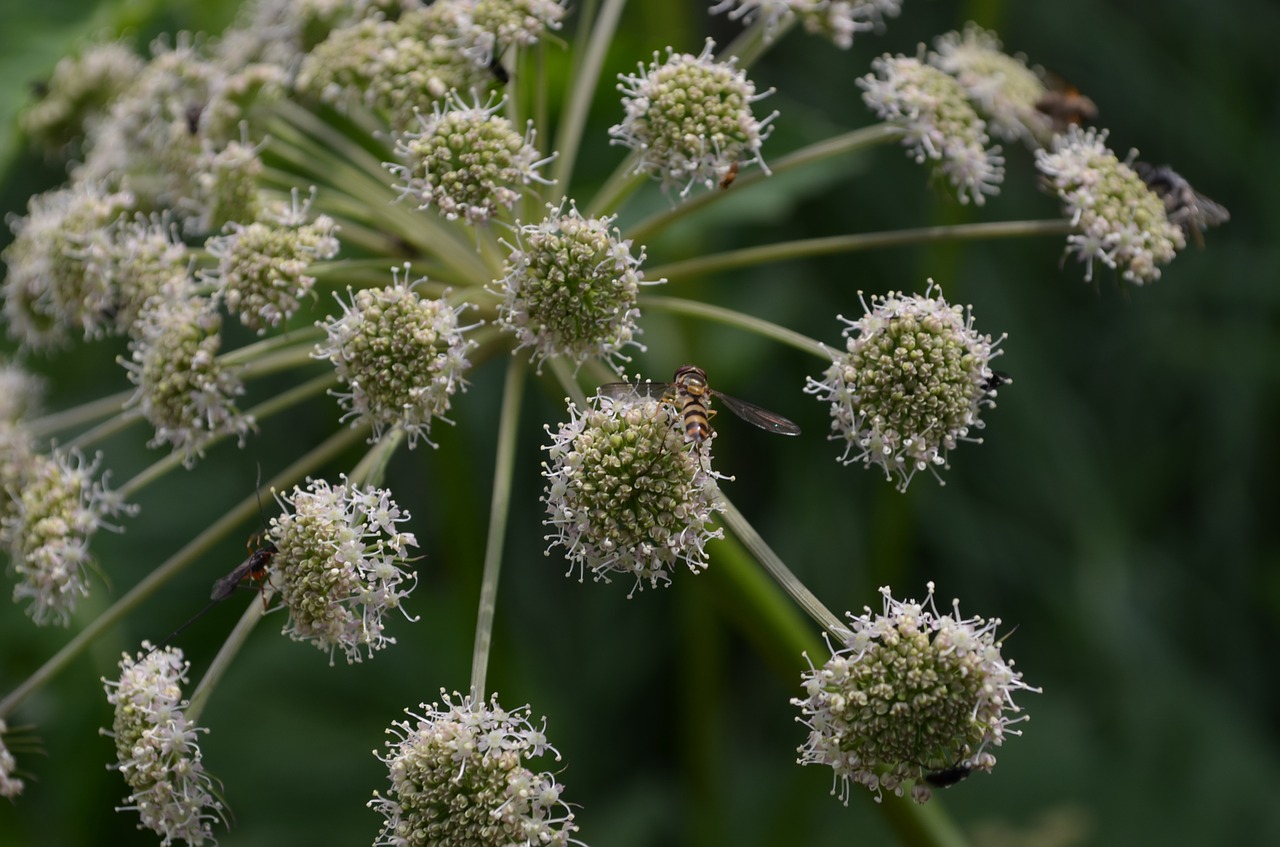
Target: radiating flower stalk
[{"x": 364, "y": 186}]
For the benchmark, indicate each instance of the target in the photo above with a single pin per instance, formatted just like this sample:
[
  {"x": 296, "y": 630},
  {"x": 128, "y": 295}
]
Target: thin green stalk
[
  {"x": 807, "y": 247},
  {"x": 503, "y": 472},
  {"x": 804, "y": 598},
  {"x": 176, "y": 563},
  {"x": 278, "y": 403},
  {"x": 585, "y": 78},
  {"x": 372, "y": 469},
  {"x": 828, "y": 148},
  {"x": 77, "y": 415},
  {"x": 720, "y": 314},
  {"x": 750, "y": 44},
  {"x": 104, "y": 430},
  {"x": 297, "y": 356},
  {"x": 239, "y": 635},
  {"x": 568, "y": 381}
]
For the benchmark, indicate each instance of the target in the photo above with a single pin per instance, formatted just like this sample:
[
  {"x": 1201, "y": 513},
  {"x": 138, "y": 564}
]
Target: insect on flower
[
  {"x": 1064, "y": 105},
  {"x": 1186, "y": 208},
  {"x": 729, "y": 176},
  {"x": 948, "y": 777},
  {"x": 689, "y": 389}
]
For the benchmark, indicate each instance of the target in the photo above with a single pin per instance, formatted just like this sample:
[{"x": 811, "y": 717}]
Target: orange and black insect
[
  {"x": 729, "y": 176},
  {"x": 1064, "y": 105},
  {"x": 689, "y": 389}
]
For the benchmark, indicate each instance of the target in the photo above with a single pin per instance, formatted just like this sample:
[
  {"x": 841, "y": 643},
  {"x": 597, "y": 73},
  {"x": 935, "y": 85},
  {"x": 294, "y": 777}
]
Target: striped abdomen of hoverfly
[
  {"x": 691, "y": 387},
  {"x": 690, "y": 392}
]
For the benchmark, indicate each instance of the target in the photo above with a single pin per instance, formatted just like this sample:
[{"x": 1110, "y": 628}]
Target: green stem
[
  {"x": 720, "y": 314},
  {"x": 828, "y": 148},
  {"x": 174, "y": 565},
  {"x": 805, "y": 248},
  {"x": 285, "y": 359},
  {"x": 585, "y": 78},
  {"x": 372, "y": 469},
  {"x": 78, "y": 415},
  {"x": 278, "y": 403},
  {"x": 750, "y": 44},
  {"x": 226, "y": 653},
  {"x": 804, "y": 598},
  {"x": 106, "y": 429},
  {"x": 502, "y": 475},
  {"x": 560, "y": 369}
]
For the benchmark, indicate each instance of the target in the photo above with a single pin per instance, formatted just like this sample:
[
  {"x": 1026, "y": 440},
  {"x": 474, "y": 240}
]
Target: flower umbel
[
  {"x": 403, "y": 356},
  {"x": 262, "y": 266},
  {"x": 1002, "y": 87},
  {"x": 910, "y": 693},
  {"x": 570, "y": 289},
  {"x": 1121, "y": 221},
  {"x": 184, "y": 391},
  {"x": 467, "y": 161},
  {"x": 627, "y": 495},
  {"x": 10, "y": 785},
  {"x": 911, "y": 383},
  {"x": 157, "y": 750},
  {"x": 933, "y": 111},
  {"x": 689, "y": 119},
  {"x": 459, "y": 776},
  {"x": 56, "y": 510},
  {"x": 337, "y": 566}
]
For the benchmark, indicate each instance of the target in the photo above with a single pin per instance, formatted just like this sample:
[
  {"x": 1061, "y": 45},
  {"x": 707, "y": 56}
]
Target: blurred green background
[{"x": 1117, "y": 513}]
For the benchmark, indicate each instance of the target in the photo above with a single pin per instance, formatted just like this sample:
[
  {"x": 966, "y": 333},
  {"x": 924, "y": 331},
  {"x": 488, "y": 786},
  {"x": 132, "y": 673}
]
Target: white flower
[
  {"x": 911, "y": 695},
  {"x": 459, "y": 778},
  {"x": 1002, "y": 87},
  {"x": 401, "y": 355},
  {"x": 337, "y": 566},
  {"x": 938, "y": 123},
  {"x": 910, "y": 385},
  {"x": 157, "y": 749},
  {"x": 1121, "y": 222}
]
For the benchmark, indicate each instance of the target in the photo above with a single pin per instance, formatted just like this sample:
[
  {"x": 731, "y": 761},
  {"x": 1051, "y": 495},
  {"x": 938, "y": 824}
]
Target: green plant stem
[
  {"x": 805, "y": 248},
  {"x": 228, "y": 651},
  {"x": 804, "y": 598},
  {"x": 503, "y": 472},
  {"x": 731, "y": 317},
  {"x": 564, "y": 376},
  {"x": 262, "y": 411},
  {"x": 372, "y": 469},
  {"x": 173, "y": 566},
  {"x": 285, "y": 359},
  {"x": 828, "y": 148},
  {"x": 585, "y": 78},
  {"x": 77, "y": 415},
  {"x": 104, "y": 430},
  {"x": 750, "y": 44}
]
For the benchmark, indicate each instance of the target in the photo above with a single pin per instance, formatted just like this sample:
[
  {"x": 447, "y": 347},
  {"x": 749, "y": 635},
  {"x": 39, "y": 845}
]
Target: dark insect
[
  {"x": 992, "y": 383},
  {"x": 193, "y": 113},
  {"x": 949, "y": 776},
  {"x": 499, "y": 72},
  {"x": 690, "y": 390},
  {"x": 1188, "y": 209},
  {"x": 1064, "y": 105},
  {"x": 252, "y": 569},
  {"x": 729, "y": 176}
]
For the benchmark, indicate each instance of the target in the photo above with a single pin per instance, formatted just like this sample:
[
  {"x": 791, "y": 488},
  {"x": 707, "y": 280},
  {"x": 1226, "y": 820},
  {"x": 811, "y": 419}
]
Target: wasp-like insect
[
  {"x": 992, "y": 383},
  {"x": 500, "y": 73},
  {"x": 690, "y": 390},
  {"x": 1188, "y": 209},
  {"x": 729, "y": 176}
]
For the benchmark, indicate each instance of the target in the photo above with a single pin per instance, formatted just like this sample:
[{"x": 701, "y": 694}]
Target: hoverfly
[
  {"x": 1187, "y": 209},
  {"x": 689, "y": 389}
]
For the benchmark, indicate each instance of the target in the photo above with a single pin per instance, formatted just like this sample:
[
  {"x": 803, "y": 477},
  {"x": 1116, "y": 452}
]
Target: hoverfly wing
[{"x": 753, "y": 414}]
